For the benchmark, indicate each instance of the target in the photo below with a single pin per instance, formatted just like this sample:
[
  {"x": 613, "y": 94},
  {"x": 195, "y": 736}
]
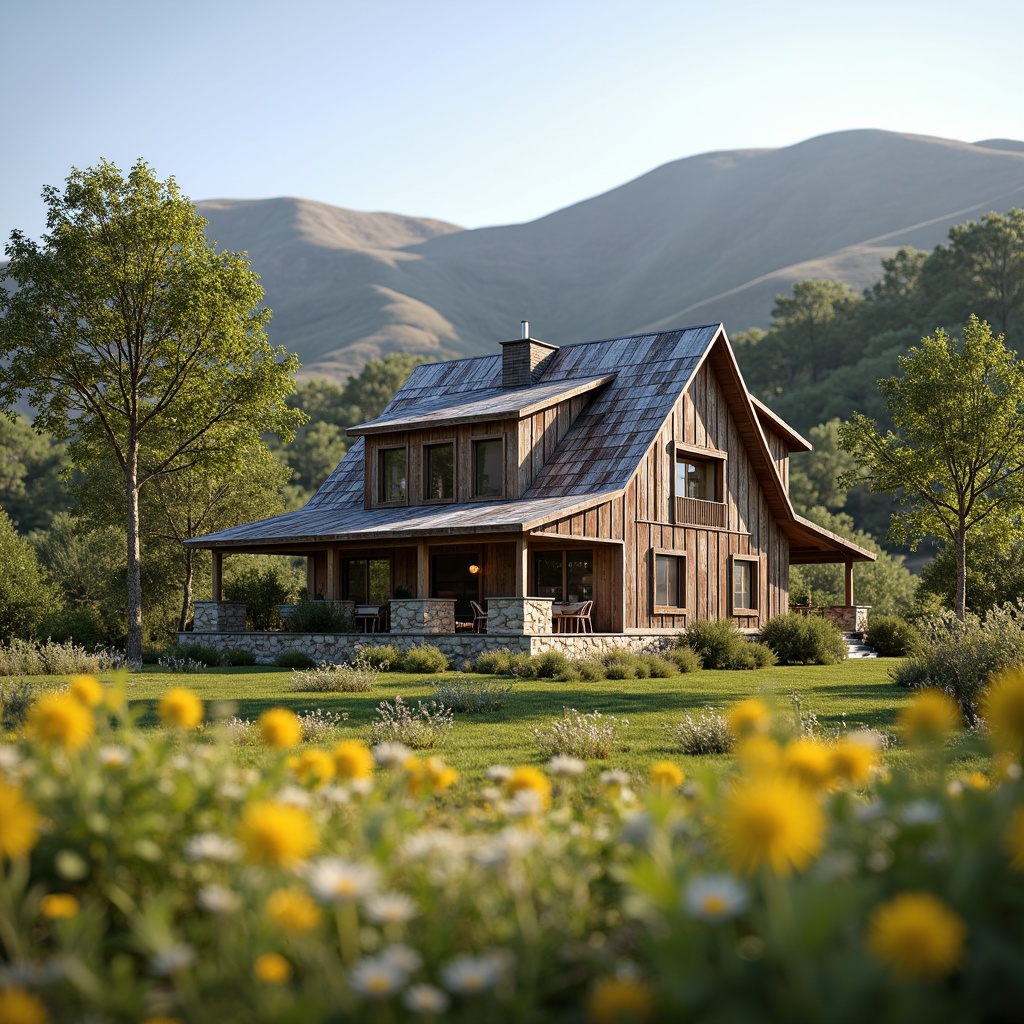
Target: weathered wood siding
[{"x": 780, "y": 455}]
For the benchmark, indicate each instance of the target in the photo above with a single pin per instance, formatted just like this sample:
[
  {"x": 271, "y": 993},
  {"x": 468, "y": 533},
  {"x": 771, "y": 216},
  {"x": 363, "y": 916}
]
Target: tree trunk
[
  {"x": 134, "y": 560},
  {"x": 186, "y": 597},
  {"x": 960, "y": 602}
]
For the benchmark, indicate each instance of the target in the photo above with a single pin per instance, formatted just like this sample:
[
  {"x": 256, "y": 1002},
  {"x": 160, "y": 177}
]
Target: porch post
[
  {"x": 333, "y": 574},
  {"x": 421, "y": 569},
  {"x": 522, "y": 561},
  {"x": 218, "y": 574},
  {"x": 849, "y": 583}
]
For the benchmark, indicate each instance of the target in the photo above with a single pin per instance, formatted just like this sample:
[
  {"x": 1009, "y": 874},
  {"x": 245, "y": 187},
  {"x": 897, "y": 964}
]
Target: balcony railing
[{"x": 694, "y": 512}]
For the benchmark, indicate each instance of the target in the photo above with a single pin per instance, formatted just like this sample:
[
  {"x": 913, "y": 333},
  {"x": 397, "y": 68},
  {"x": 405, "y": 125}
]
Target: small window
[
  {"x": 392, "y": 476},
  {"x": 670, "y": 581},
  {"x": 488, "y": 469},
  {"x": 439, "y": 472},
  {"x": 367, "y": 580},
  {"x": 696, "y": 479},
  {"x": 744, "y": 584}
]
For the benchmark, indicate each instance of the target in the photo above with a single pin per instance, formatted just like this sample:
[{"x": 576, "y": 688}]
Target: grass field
[{"x": 853, "y": 694}]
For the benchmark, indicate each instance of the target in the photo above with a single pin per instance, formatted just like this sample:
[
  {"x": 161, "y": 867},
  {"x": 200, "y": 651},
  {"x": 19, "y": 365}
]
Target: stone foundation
[
  {"x": 422, "y": 615},
  {"x": 218, "y": 616},
  {"x": 851, "y": 618},
  {"x": 518, "y": 616}
]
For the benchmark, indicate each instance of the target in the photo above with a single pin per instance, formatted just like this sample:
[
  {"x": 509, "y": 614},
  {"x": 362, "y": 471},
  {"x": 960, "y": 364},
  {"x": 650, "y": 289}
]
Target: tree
[
  {"x": 132, "y": 336},
  {"x": 995, "y": 571},
  {"x": 814, "y": 476},
  {"x": 31, "y": 464},
  {"x": 955, "y": 460},
  {"x": 26, "y": 596}
]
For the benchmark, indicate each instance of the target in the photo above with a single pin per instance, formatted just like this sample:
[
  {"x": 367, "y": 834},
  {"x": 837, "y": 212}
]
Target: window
[
  {"x": 670, "y": 581},
  {"x": 439, "y": 472},
  {"x": 367, "y": 580},
  {"x": 488, "y": 468},
  {"x": 564, "y": 575},
  {"x": 392, "y": 476},
  {"x": 744, "y": 584},
  {"x": 696, "y": 479}
]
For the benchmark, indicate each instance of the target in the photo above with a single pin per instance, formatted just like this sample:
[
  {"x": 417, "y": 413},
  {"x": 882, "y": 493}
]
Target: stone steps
[{"x": 856, "y": 648}]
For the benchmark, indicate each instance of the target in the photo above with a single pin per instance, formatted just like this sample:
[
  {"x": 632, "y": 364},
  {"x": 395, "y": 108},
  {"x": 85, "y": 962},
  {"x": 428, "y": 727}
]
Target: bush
[
  {"x": 493, "y": 663},
  {"x": 294, "y": 659},
  {"x": 236, "y": 656},
  {"x": 579, "y": 735},
  {"x": 721, "y": 645},
  {"x": 466, "y": 696},
  {"x": 624, "y": 665},
  {"x": 317, "y": 617},
  {"x": 704, "y": 733},
  {"x": 685, "y": 659},
  {"x": 262, "y": 590},
  {"x": 591, "y": 670},
  {"x": 77, "y": 624},
  {"x": 658, "y": 667},
  {"x": 358, "y": 677},
  {"x": 425, "y": 658},
  {"x": 383, "y": 657},
  {"x": 205, "y": 654},
  {"x": 15, "y": 700},
  {"x": 26, "y": 596},
  {"x": 549, "y": 664},
  {"x": 427, "y": 726},
  {"x": 178, "y": 663},
  {"x": 893, "y": 637},
  {"x": 523, "y": 666},
  {"x": 805, "y": 640},
  {"x": 28, "y": 658}
]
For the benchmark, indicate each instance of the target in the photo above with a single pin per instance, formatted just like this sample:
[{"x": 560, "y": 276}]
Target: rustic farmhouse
[{"x": 604, "y": 492}]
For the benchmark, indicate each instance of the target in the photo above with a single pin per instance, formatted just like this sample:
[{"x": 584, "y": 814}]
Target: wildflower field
[{"x": 188, "y": 848}]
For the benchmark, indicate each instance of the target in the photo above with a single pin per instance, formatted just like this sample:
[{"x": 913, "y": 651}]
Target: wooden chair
[
  {"x": 479, "y": 618},
  {"x": 576, "y": 618},
  {"x": 367, "y": 618}
]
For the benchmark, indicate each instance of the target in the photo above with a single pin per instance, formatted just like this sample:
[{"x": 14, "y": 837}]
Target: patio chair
[
  {"x": 479, "y": 618},
  {"x": 368, "y": 619},
  {"x": 576, "y": 618}
]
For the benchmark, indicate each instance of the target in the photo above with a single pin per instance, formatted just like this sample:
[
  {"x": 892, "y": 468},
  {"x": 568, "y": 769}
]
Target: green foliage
[
  {"x": 575, "y": 734},
  {"x": 702, "y": 732},
  {"x": 685, "y": 659},
  {"x": 892, "y": 637},
  {"x": 384, "y": 657},
  {"x": 16, "y": 697},
  {"x": 294, "y": 659},
  {"x": 31, "y": 490},
  {"x": 26, "y": 596},
  {"x": 720, "y": 644},
  {"x": 494, "y": 663},
  {"x": 238, "y": 657},
  {"x": 428, "y": 726},
  {"x": 466, "y": 696},
  {"x": 813, "y": 476},
  {"x": 549, "y": 664},
  {"x": 202, "y": 654},
  {"x": 358, "y": 677},
  {"x": 262, "y": 590},
  {"x": 425, "y": 658},
  {"x": 804, "y": 640},
  {"x": 317, "y": 617},
  {"x": 995, "y": 570},
  {"x": 49, "y": 658}
]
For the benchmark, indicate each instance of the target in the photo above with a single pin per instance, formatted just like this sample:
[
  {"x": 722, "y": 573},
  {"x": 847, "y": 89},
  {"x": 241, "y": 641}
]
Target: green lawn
[{"x": 856, "y": 692}]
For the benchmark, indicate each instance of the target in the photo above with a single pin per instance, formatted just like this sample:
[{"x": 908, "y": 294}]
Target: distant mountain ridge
[{"x": 706, "y": 238}]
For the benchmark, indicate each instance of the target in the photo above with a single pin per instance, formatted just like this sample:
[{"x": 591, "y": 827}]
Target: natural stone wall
[
  {"x": 518, "y": 615},
  {"x": 219, "y": 616},
  {"x": 422, "y": 615},
  {"x": 850, "y": 618}
]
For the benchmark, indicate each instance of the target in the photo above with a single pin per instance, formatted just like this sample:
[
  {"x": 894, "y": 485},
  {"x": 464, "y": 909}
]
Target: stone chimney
[{"x": 524, "y": 360}]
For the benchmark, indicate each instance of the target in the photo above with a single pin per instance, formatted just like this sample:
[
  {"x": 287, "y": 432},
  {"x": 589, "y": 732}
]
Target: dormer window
[
  {"x": 439, "y": 472},
  {"x": 489, "y": 468},
  {"x": 696, "y": 479},
  {"x": 392, "y": 476},
  {"x": 699, "y": 486}
]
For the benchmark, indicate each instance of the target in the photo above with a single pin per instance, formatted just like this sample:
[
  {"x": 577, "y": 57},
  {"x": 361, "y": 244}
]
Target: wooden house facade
[{"x": 637, "y": 473}]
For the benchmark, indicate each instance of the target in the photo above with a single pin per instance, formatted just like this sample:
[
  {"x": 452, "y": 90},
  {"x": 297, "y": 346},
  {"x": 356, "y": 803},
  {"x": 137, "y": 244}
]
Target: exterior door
[{"x": 452, "y": 578}]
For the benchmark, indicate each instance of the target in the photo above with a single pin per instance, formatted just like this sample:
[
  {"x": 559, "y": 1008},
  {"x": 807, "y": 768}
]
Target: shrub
[
  {"x": 236, "y": 656},
  {"x": 425, "y": 658},
  {"x": 493, "y": 663},
  {"x": 321, "y": 726},
  {"x": 549, "y": 664},
  {"x": 620, "y": 665},
  {"x": 591, "y": 670},
  {"x": 523, "y": 666},
  {"x": 28, "y": 658},
  {"x": 580, "y": 735},
  {"x": 179, "y": 663},
  {"x": 471, "y": 696},
  {"x": 383, "y": 657},
  {"x": 427, "y": 726},
  {"x": 262, "y": 590},
  {"x": 892, "y": 637},
  {"x": 205, "y": 654},
  {"x": 294, "y": 659},
  {"x": 805, "y": 640},
  {"x": 685, "y": 659},
  {"x": 358, "y": 677},
  {"x": 317, "y": 617},
  {"x": 720, "y": 644},
  {"x": 15, "y": 700},
  {"x": 658, "y": 667},
  {"x": 706, "y": 732}
]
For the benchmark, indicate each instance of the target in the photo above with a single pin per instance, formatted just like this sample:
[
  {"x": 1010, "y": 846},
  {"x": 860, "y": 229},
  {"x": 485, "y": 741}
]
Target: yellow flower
[
  {"x": 771, "y": 821},
  {"x": 917, "y": 936},
  {"x": 87, "y": 690},
  {"x": 272, "y": 968},
  {"x": 180, "y": 708},
  {"x": 666, "y": 775},
  {"x": 58, "y": 905},
  {"x": 748, "y": 717},
  {"x": 277, "y": 834},
  {"x": 19, "y": 823},
  {"x": 59, "y": 720},
  {"x": 1002, "y": 707},
  {"x": 280, "y": 728},
  {"x": 526, "y": 777},
  {"x": 353, "y": 760},
  {"x": 976, "y": 780},
  {"x": 928, "y": 716},
  {"x": 441, "y": 776},
  {"x": 415, "y": 773},
  {"x": 758, "y": 754},
  {"x": 1014, "y": 839},
  {"x": 293, "y": 911},
  {"x": 316, "y": 766},
  {"x": 20, "y": 1007},
  {"x": 853, "y": 760},
  {"x": 808, "y": 761},
  {"x": 618, "y": 1001}
]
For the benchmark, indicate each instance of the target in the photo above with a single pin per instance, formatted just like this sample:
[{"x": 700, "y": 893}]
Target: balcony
[{"x": 712, "y": 515}]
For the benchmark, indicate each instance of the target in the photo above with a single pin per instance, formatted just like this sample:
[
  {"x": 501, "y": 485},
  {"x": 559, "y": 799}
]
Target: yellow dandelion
[
  {"x": 86, "y": 690},
  {"x": 280, "y": 728},
  {"x": 441, "y": 776},
  {"x": 19, "y": 823},
  {"x": 59, "y": 720},
  {"x": 917, "y": 936},
  {"x": 853, "y": 760},
  {"x": 353, "y": 760},
  {"x": 618, "y": 1001},
  {"x": 20, "y": 1007},
  {"x": 1014, "y": 839},
  {"x": 928, "y": 716},
  {"x": 774, "y": 822},
  {"x": 277, "y": 834},
  {"x": 312, "y": 766},
  {"x": 748, "y": 717},
  {"x": 666, "y": 775},
  {"x": 526, "y": 777},
  {"x": 293, "y": 911},
  {"x": 180, "y": 709},
  {"x": 1002, "y": 707},
  {"x": 272, "y": 968},
  {"x": 976, "y": 780},
  {"x": 58, "y": 905},
  {"x": 808, "y": 761},
  {"x": 758, "y": 754}
]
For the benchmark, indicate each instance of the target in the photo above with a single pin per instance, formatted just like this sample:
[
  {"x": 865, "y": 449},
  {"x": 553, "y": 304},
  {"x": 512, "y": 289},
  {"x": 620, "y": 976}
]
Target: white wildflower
[
  {"x": 499, "y": 773},
  {"x": 921, "y": 812},
  {"x": 218, "y": 900},
  {"x": 426, "y": 999},
  {"x": 230, "y": 791},
  {"x": 376, "y": 978},
  {"x": 174, "y": 958},
  {"x": 210, "y": 846},
  {"x": 333, "y": 880},
  {"x": 336, "y": 795},
  {"x": 562, "y": 766},
  {"x": 112, "y": 755},
  {"x": 391, "y": 755},
  {"x": 470, "y": 975},
  {"x": 10, "y": 757},
  {"x": 615, "y": 778},
  {"x": 294, "y": 796},
  {"x": 390, "y": 908},
  {"x": 524, "y": 803},
  {"x": 715, "y": 898},
  {"x": 401, "y": 956},
  {"x": 361, "y": 787}
]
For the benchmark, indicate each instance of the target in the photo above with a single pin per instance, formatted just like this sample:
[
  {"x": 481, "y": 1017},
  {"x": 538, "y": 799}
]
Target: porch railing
[{"x": 697, "y": 512}]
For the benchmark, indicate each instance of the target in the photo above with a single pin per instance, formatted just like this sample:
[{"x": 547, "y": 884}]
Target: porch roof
[{"x": 810, "y": 544}]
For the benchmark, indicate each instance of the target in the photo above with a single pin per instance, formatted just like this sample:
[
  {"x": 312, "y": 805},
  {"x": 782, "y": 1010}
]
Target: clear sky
[{"x": 475, "y": 111}]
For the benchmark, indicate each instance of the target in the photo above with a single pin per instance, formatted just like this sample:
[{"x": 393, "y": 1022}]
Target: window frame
[
  {"x": 474, "y": 441},
  {"x": 346, "y": 576},
  {"x": 427, "y": 445},
  {"x": 755, "y": 584},
  {"x": 565, "y": 552},
  {"x": 680, "y": 556},
  {"x": 693, "y": 454},
  {"x": 379, "y": 480}
]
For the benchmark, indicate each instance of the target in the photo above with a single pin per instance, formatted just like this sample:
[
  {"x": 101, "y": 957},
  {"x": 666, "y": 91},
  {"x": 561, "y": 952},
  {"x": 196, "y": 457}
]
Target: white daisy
[
  {"x": 334, "y": 880},
  {"x": 390, "y": 908},
  {"x": 391, "y": 755},
  {"x": 376, "y": 978},
  {"x": 218, "y": 900},
  {"x": 470, "y": 975},
  {"x": 172, "y": 959},
  {"x": 404, "y": 957},
  {"x": 114, "y": 756},
  {"x": 715, "y": 898},
  {"x": 499, "y": 773},
  {"x": 564, "y": 767},
  {"x": 210, "y": 846},
  {"x": 426, "y": 999}
]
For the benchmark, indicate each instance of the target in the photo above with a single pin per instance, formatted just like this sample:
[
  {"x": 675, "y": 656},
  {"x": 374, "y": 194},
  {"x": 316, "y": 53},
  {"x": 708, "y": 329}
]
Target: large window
[
  {"x": 696, "y": 478},
  {"x": 744, "y": 584},
  {"x": 392, "y": 475},
  {"x": 488, "y": 468},
  {"x": 367, "y": 580},
  {"x": 565, "y": 575},
  {"x": 669, "y": 581},
  {"x": 439, "y": 472}
]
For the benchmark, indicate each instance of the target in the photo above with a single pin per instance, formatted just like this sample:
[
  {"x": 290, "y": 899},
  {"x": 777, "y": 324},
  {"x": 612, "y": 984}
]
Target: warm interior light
[{"x": 474, "y": 569}]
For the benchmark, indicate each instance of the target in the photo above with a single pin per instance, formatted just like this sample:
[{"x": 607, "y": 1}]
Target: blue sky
[{"x": 474, "y": 112}]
